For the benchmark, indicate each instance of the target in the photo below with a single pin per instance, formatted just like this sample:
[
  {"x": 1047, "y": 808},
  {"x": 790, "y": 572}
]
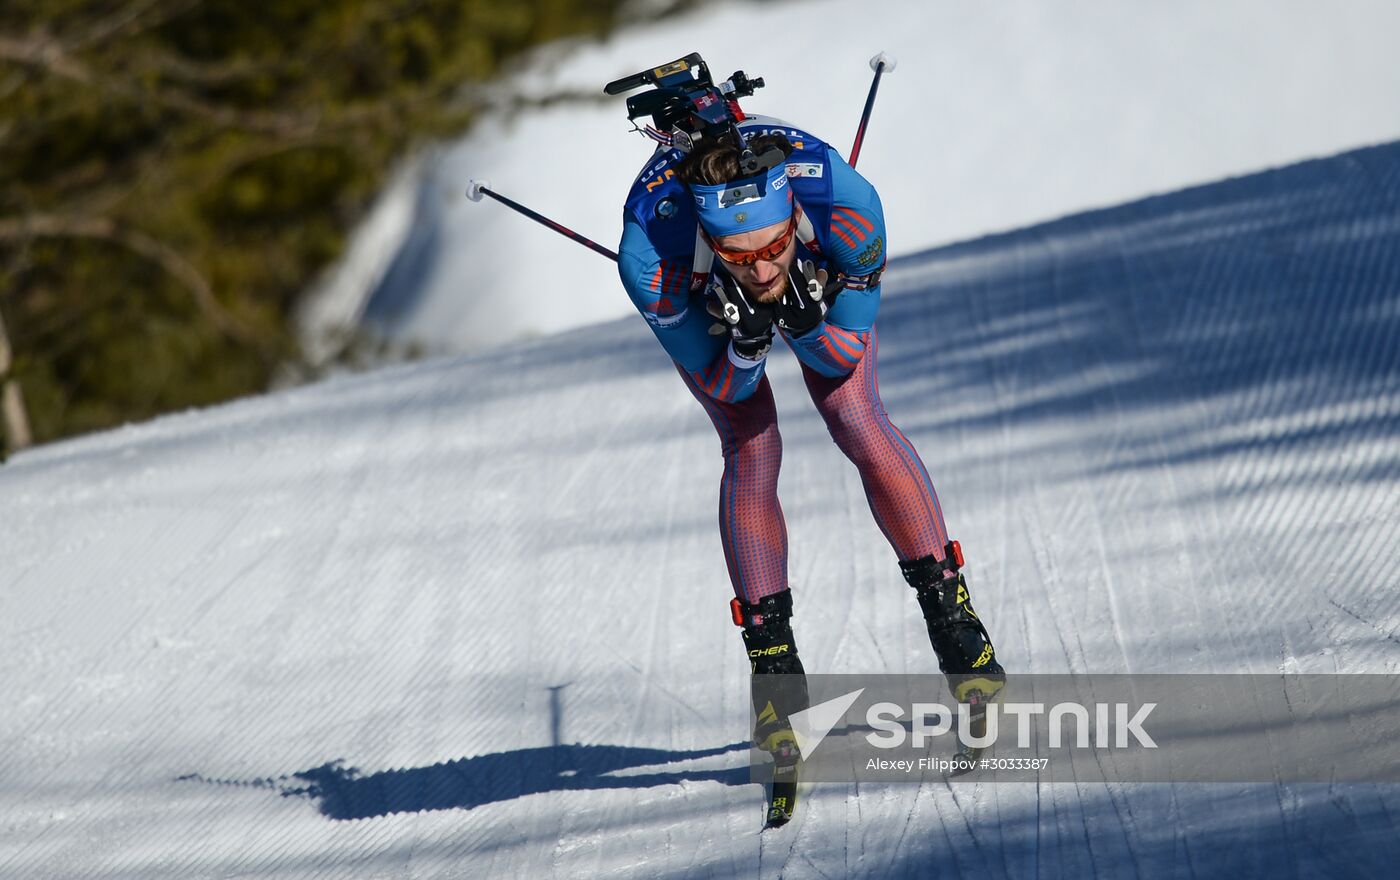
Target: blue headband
[{"x": 744, "y": 205}]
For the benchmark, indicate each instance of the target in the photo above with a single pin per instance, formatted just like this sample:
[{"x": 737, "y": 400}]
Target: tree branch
[
  {"x": 48, "y": 56},
  {"x": 6, "y": 355},
  {"x": 153, "y": 249},
  {"x": 127, "y": 22}
]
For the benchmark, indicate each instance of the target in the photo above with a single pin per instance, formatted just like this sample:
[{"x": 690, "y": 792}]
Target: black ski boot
[
  {"x": 965, "y": 653},
  {"x": 779, "y": 689}
]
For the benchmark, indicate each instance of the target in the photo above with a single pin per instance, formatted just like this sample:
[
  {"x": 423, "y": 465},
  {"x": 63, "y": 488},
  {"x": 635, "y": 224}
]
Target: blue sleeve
[
  {"x": 660, "y": 289},
  {"x": 856, "y": 248}
]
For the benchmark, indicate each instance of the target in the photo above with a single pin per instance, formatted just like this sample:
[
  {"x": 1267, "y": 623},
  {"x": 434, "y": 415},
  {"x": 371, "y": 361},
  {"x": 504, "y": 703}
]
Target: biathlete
[{"x": 733, "y": 233}]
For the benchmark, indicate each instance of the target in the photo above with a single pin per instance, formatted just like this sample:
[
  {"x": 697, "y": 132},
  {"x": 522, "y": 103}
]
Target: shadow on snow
[{"x": 341, "y": 792}]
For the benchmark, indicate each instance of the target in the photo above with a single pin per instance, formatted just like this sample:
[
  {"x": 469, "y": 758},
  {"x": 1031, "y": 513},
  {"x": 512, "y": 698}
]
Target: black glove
[
  {"x": 748, "y": 323},
  {"x": 807, "y": 298}
]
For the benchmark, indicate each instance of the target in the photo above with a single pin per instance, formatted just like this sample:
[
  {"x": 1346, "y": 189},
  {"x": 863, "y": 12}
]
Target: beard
[{"x": 776, "y": 293}]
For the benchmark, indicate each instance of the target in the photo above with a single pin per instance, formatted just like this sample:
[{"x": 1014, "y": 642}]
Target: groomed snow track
[{"x": 467, "y": 617}]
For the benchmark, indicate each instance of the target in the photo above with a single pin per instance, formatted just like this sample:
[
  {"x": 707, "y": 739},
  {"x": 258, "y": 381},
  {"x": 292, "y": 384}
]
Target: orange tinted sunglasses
[{"x": 767, "y": 253}]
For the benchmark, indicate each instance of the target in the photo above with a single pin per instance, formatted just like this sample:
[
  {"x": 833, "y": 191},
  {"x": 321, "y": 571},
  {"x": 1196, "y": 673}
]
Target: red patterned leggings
[{"x": 751, "y": 525}]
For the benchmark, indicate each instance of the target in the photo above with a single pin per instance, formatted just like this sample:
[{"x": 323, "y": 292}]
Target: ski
[
  {"x": 967, "y": 757},
  {"x": 782, "y": 803}
]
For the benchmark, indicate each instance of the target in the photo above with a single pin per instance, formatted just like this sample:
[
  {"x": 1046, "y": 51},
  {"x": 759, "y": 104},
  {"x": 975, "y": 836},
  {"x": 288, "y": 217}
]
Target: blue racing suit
[{"x": 658, "y": 249}]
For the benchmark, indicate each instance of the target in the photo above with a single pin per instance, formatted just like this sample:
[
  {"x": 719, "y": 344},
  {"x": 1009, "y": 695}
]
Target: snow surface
[
  {"x": 998, "y": 115},
  {"x": 468, "y": 617}
]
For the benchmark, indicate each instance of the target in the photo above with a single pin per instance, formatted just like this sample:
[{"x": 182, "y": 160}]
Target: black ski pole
[
  {"x": 478, "y": 188},
  {"x": 881, "y": 64}
]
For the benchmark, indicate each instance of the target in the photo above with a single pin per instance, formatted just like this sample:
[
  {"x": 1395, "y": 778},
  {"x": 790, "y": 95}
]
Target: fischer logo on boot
[
  {"x": 986, "y": 655},
  {"x": 769, "y": 652}
]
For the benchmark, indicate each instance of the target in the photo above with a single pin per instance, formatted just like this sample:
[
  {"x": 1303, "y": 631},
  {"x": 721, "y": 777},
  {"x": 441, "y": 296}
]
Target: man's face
[{"x": 765, "y": 280}]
